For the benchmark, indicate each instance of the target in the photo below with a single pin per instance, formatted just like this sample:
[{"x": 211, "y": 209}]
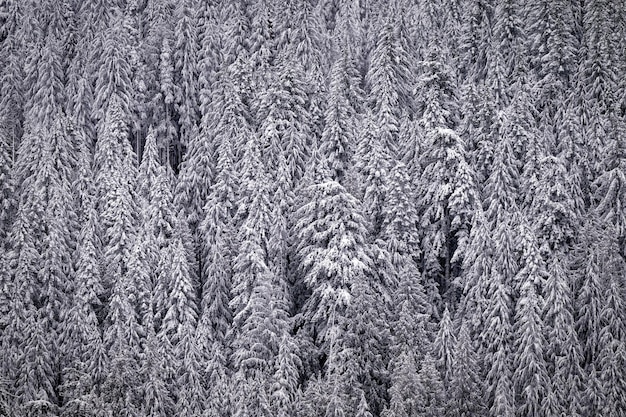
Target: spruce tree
[
  {"x": 186, "y": 70},
  {"x": 331, "y": 230},
  {"x": 444, "y": 348},
  {"x": 287, "y": 375},
  {"x": 465, "y": 395},
  {"x": 612, "y": 336},
  {"x": 496, "y": 341},
  {"x": 563, "y": 351},
  {"x": 530, "y": 376},
  {"x": 114, "y": 172}
]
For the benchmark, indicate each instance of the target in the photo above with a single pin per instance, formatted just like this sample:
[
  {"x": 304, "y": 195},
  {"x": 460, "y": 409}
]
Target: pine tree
[
  {"x": 610, "y": 191},
  {"x": 411, "y": 330},
  {"x": 160, "y": 224},
  {"x": 210, "y": 43},
  {"x": 340, "y": 376},
  {"x": 307, "y": 45},
  {"x": 7, "y": 188},
  {"x": 12, "y": 91},
  {"x": 338, "y": 139},
  {"x": 399, "y": 234},
  {"x": 313, "y": 400},
  {"x": 589, "y": 301},
  {"x": 47, "y": 94},
  {"x": 475, "y": 33},
  {"x": 149, "y": 169},
  {"x": 198, "y": 170},
  {"x": 367, "y": 333},
  {"x": 284, "y": 120},
  {"x": 477, "y": 268},
  {"x": 551, "y": 47},
  {"x": 363, "y": 409},
  {"x": 590, "y": 293}
]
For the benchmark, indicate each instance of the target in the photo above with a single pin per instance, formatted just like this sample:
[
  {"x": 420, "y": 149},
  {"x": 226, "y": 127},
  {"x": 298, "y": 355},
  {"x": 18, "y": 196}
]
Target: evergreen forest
[{"x": 312, "y": 208}]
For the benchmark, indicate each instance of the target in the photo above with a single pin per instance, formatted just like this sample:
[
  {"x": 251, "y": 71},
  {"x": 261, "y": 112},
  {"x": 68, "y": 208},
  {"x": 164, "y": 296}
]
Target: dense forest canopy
[{"x": 312, "y": 208}]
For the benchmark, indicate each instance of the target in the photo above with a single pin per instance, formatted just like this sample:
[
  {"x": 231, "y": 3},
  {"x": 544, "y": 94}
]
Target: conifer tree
[
  {"x": 113, "y": 83},
  {"x": 217, "y": 248},
  {"x": 612, "y": 354},
  {"x": 12, "y": 56},
  {"x": 121, "y": 340},
  {"x": 330, "y": 230},
  {"x": 156, "y": 374},
  {"x": 432, "y": 401},
  {"x": 210, "y": 43},
  {"x": 399, "y": 233},
  {"x": 444, "y": 348},
  {"x": 47, "y": 94},
  {"x": 36, "y": 392},
  {"x": 389, "y": 83},
  {"x": 186, "y": 70},
  {"x": 368, "y": 335},
  {"x": 610, "y": 191},
  {"x": 589, "y": 297},
  {"x": 448, "y": 199},
  {"x": 115, "y": 195},
  {"x": 7, "y": 188},
  {"x": 181, "y": 315},
  {"x": 496, "y": 342},
  {"x": 338, "y": 140},
  {"x": 285, "y": 388},
  {"x": 190, "y": 396},
  {"x": 216, "y": 376},
  {"x": 373, "y": 161},
  {"x": 363, "y": 409},
  {"x": 553, "y": 206},
  {"x": 82, "y": 370},
  {"x": 404, "y": 387},
  {"x": 475, "y": 33},
  {"x": 530, "y": 376},
  {"x": 258, "y": 321},
  {"x": 149, "y": 169},
  {"x": 284, "y": 120},
  {"x": 465, "y": 393},
  {"x": 563, "y": 352}
]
